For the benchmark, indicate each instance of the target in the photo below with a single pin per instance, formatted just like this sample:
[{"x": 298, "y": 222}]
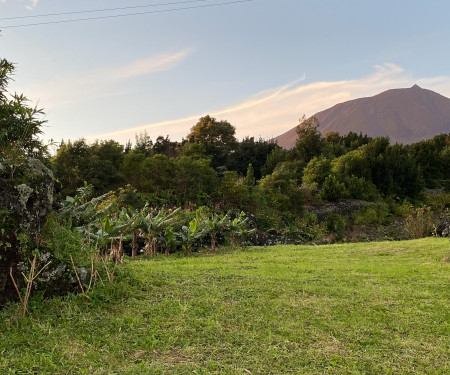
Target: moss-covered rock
[{"x": 25, "y": 201}]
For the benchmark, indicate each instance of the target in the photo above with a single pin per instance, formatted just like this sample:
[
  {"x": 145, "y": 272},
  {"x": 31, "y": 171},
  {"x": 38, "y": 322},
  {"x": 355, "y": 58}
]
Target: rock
[
  {"x": 343, "y": 207},
  {"x": 25, "y": 202}
]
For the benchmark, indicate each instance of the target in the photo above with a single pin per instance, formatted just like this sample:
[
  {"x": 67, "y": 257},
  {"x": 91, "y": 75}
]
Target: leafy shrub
[
  {"x": 332, "y": 189},
  {"x": 65, "y": 242},
  {"x": 372, "y": 214},
  {"x": 336, "y": 224},
  {"x": 438, "y": 202},
  {"x": 317, "y": 170},
  {"x": 360, "y": 188},
  {"x": 305, "y": 229},
  {"x": 420, "y": 223},
  {"x": 402, "y": 210}
]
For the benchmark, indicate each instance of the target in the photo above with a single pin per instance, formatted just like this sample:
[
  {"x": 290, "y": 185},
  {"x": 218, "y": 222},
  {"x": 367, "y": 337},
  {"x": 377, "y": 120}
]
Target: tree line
[{"x": 211, "y": 167}]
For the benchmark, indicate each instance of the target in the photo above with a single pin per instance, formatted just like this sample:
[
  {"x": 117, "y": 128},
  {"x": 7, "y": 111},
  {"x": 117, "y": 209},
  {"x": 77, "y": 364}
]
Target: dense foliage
[{"x": 212, "y": 168}]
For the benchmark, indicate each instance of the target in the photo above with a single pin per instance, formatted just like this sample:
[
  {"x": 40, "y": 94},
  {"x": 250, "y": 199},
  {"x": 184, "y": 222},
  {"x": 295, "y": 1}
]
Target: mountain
[{"x": 405, "y": 115}]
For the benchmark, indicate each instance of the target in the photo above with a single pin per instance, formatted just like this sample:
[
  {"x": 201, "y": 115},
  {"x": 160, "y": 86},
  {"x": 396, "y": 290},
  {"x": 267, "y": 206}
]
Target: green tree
[
  {"x": 234, "y": 192},
  {"x": 26, "y": 185},
  {"x": 158, "y": 174},
  {"x": 20, "y": 125},
  {"x": 317, "y": 170},
  {"x": 214, "y": 224},
  {"x": 209, "y": 130},
  {"x": 309, "y": 140},
  {"x": 278, "y": 155},
  {"x": 194, "y": 179},
  {"x": 281, "y": 188},
  {"x": 249, "y": 151},
  {"x": 100, "y": 164},
  {"x": 249, "y": 179},
  {"x": 144, "y": 144},
  {"x": 216, "y": 136},
  {"x": 430, "y": 156},
  {"x": 133, "y": 169},
  {"x": 165, "y": 146}
]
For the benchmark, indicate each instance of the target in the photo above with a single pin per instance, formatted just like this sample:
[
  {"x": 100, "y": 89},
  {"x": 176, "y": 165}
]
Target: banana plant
[
  {"x": 155, "y": 223},
  {"x": 214, "y": 224},
  {"x": 190, "y": 234},
  {"x": 108, "y": 231},
  {"x": 81, "y": 209},
  {"x": 97, "y": 233},
  {"x": 131, "y": 225},
  {"x": 239, "y": 231},
  {"x": 169, "y": 239}
]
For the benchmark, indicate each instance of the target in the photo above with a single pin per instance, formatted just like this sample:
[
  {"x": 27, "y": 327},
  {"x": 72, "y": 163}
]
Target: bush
[
  {"x": 438, "y": 202},
  {"x": 372, "y": 214},
  {"x": 332, "y": 189},
  {"x": 420, "y": 223},
  {"x": 316, "y": 172},
  {"x": 305, "y": 229},
  {"x": 64, "y": 242},
  {"x": 402, "y": 210},
  {"x": 360, "y": 188},
  {"x": 336, "y": 224}
]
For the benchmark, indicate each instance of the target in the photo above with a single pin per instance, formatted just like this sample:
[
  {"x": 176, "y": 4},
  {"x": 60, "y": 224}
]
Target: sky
[{"x": 259, "y": 64}]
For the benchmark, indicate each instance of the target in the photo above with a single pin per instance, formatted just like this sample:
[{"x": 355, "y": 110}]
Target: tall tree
[
  {"x": 309, "y": 140},
  {"x": 20, "y": 125},
  {"x": 217, "y": 137}
]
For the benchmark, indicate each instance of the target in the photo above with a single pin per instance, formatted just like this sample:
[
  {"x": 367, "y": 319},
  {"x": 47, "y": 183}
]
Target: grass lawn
[{"x": 373, "y": 308}]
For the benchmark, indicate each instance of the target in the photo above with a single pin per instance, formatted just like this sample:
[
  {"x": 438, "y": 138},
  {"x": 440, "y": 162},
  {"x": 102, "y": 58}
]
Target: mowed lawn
[{"x": 373, "y": 308}]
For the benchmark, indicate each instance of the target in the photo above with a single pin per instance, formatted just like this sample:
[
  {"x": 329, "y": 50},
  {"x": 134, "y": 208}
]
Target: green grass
[{"x": 376, "y": 308}]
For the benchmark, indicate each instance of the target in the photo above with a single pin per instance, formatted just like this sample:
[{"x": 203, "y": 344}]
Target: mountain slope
[{"x": 405, "y": 115}]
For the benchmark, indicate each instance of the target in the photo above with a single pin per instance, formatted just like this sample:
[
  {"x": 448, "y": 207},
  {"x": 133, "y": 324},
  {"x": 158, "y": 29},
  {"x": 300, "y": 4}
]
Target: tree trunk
[
  {"x": 213, "y": 241},
  {"x": 120, "y": 248},
  {"x": 149, "y": 247},
  {"x": 134, "y": 246},
  {"x": 154, "y": 247}
]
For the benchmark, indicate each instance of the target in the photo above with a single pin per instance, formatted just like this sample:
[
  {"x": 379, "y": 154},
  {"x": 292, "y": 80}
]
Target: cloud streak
[
  {"x": 152, "y": 64},
  {"x": 274, "y": 111}
]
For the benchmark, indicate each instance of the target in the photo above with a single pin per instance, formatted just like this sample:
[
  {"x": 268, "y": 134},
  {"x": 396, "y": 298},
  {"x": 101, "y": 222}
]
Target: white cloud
[
  {"x": 148, "y": 65},
  {"x": 272, "y": 112}
]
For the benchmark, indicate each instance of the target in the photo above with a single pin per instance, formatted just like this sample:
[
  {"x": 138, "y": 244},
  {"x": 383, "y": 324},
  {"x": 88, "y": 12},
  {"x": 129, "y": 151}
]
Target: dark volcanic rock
[{"x": 26, "y": 199}]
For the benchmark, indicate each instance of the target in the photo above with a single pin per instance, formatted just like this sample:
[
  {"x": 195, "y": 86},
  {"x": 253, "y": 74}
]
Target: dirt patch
[{"x": 173, "y": 357}]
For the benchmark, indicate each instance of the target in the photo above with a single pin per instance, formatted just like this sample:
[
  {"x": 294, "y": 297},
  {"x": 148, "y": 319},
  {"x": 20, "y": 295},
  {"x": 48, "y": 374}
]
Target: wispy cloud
[
  {"x": 97, "y": 84},
  {"x": 274, "y": 111},
  {"x": 152, "y": 64}
]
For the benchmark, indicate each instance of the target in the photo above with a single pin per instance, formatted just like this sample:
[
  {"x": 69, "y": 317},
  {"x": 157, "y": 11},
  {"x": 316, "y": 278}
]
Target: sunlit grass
[{"x": 376, "y": 308}]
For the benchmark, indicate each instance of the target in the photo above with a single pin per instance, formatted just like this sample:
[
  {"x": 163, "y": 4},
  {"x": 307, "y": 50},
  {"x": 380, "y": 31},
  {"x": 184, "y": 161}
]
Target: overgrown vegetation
[{"x": 212, "y": 168}]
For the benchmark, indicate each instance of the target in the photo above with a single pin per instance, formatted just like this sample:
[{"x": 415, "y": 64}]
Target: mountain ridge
[{"x": 405, "y": 115}]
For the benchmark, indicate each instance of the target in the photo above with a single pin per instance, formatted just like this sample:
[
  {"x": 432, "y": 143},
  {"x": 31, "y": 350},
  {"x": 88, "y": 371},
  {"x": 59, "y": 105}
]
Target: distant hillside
[{"x": 405, "y": 115}]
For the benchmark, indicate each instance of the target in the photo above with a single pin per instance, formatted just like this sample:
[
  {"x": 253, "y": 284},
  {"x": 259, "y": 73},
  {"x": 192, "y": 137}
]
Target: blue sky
[{"x": 260, "y": 65}]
